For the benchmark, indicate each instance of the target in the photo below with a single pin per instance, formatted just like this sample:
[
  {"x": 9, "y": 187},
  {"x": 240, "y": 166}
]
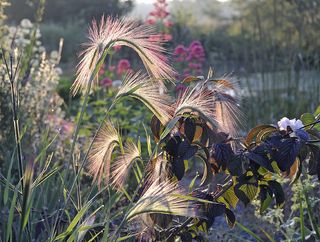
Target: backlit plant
[{"x": 201, "y": 125}]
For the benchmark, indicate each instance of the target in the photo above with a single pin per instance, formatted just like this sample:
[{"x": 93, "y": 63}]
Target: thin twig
[{"x": 311, "y": 124}]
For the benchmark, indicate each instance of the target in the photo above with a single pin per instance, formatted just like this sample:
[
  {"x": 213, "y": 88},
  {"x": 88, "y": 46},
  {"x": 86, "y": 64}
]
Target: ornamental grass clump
[
  {"x": 200, "y": 125},
  {"x": 143, "y": 187}
]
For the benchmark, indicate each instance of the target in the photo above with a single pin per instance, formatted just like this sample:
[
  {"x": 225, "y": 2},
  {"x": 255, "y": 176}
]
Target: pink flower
[
  {"x": 151, "y": 21},
  {"x": 161, "y": 1},
  {"x": 117, "y": 47},
  {"x": 154, "y": 13},
  {"x": 179, "y": 59},
  {"x": 180, "y": 88},
  {"x": 195, "y": 66},
  {"x": 106, "y": 82},
  {"x": 194, "y": 43},
  {"x": 196, "y": 52},
  {"x": 168, "y": 24},
  {"x": 102, "y": 70},
  {"x": 186, "y": 72},
  {"x": 156, "y": 37},
  {"x": 163, "y": 14},
  {"x": 167, "y": 37},
  {"x": 180, "y": 50},
  {"x": 67, "y": 127},
  {"x": 112, "y": 68},
  {"x": 123, "y": 66}
]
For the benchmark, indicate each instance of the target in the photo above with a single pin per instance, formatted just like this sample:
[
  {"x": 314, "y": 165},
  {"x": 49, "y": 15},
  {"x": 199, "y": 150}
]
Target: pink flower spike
[
  {"x": 180, "y": 88},
  {"x": 151, "y": 21},
  {"x": 163, "y": 14},
  {"x": 195, "y": 66},
  {"x": 106, "y": 82},
  {"x": 179, "y": 59},
  {"x": 112, "y": 68},
  {"x": 123, "y": 66},
  {"x": 168, "y": 24},
  {"x": 167, "y": 37},
  {"x": 194, "y": 43},
  {"x": 102, "y": 70},
  {"x": 180, "y": 50},
  {"x": 156, "y": 38},
  {"x": 154, "y": 13}
]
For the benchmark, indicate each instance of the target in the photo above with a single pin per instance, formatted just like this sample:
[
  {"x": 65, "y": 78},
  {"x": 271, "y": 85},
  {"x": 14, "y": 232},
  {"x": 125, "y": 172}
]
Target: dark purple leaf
[
  {"x": 302, "y": 134},
  {"x": 284, "y": 151},
  {"x": 178, "y": 168},
  {"x": 190, "y": 128},
  {"x": 260, "y": 156},
  {"x": 222, "y": 153},
  {"x": 172, "y": 146}
]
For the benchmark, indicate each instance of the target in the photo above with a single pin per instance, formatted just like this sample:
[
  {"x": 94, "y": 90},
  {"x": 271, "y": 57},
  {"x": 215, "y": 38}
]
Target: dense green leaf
[
  {"x": 266, "y": 195},
  {"x": 230, "y": 196},
  {"x": 307, "y": 118},
  {"x": 172, "y": 123},
  {"x": 246, "y": 189},
  {"x": 278, "y": 192},
  {"x": 231, "y": 219},
  {"x": 317, "y": 112}
]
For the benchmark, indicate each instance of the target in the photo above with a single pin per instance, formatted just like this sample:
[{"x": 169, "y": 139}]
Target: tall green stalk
[
  {"x": 76, "y": 133},
  {"x": 12, "y": 74}
]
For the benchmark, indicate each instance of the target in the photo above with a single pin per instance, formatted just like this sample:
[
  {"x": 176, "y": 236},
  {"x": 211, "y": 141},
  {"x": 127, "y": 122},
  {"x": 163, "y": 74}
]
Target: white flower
[
  {"x": 58, "y": 70},
  {"x": 294, "y": 124},
  {"x": 116, "y": 83},
  {"x": 54, "y": 54},
  {"x": 26, "y": 23}
]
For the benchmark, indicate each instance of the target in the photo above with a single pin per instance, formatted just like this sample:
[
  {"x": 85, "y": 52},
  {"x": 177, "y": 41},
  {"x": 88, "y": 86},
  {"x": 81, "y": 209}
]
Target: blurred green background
[{"x": 270, "y": 46}]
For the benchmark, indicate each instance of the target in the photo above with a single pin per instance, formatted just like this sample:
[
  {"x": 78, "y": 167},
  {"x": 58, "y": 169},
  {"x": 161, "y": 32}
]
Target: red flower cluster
[
  {"x": 190, "y": 58},
  {"x": 159, "y": 16},
  {"x": 123, "y": 67},
  {"x": 106, "y": 82},
  {"x": 113, "y": 72}
]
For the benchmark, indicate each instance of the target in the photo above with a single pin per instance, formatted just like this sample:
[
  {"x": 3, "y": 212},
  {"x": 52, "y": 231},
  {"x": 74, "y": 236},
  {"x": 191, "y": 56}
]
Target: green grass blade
[
  {"x": 77, "y": 218},
  {"x": 10, "y": 218},
  {"x": 26, "y": 198},
  {"x": 303, "y": 232},
  {"x": 268, "y": 235},
  {"x": 6, "y": 189},
  {"x": 125, "y": 238},
  {"x": 46, "y": 176},
  {"x": 191, "y": 185},
  {"x": 248, "y": 231}
]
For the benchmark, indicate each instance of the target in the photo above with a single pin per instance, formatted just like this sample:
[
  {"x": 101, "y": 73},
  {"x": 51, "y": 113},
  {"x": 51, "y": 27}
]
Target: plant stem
[
  {"x": 303, "y": 236},
  {"x": 12, "y": 76},
  {"x": 75, "y": 136},
  {"x": 310, "y": 214},
  {"x": 128, "y": 208},
  {"x": 311, "y": 124},
  {"x": 17, "y": 133}
]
